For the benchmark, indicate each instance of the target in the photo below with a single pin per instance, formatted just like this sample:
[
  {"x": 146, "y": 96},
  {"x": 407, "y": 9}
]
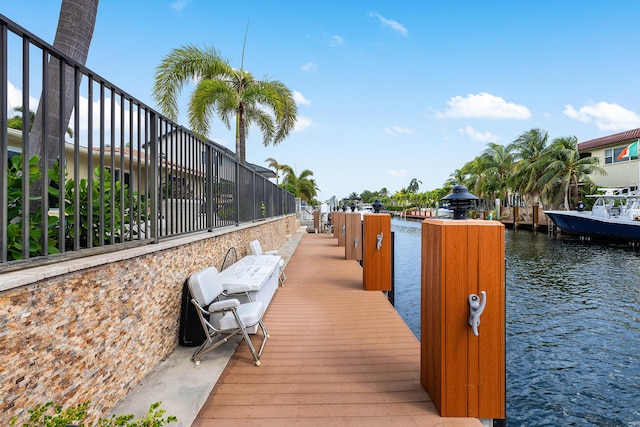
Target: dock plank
[{"x": 338, "y": 355}]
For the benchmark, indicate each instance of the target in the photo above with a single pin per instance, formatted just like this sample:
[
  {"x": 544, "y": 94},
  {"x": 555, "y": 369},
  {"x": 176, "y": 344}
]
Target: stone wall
[{"x": 96, "y": 330}]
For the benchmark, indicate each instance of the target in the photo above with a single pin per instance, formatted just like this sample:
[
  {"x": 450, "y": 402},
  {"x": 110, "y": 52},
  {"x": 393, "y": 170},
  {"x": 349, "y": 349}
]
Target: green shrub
[
  {"x": 118, "y": 219},
  {"x": 15, "y": 212},
  {"x": 50, "y": 415}
]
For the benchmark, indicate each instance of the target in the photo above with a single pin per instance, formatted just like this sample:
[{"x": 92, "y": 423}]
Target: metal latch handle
[{"x": 476, "y": 307}]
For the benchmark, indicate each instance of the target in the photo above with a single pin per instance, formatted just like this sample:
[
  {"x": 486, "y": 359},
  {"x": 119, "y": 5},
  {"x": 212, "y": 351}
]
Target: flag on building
[{"x": 629, "y": 151}]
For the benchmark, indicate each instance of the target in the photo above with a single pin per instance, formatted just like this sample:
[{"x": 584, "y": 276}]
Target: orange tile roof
[{"x": 629, "y": 135}]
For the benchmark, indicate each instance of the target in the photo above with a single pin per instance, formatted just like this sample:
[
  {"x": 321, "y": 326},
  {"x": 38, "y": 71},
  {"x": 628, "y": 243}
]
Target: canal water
[{"x": 573, "y": 326}]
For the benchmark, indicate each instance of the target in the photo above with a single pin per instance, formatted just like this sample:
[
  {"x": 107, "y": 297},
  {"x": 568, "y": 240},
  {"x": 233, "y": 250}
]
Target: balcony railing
[{"x": 115, "y": 174}]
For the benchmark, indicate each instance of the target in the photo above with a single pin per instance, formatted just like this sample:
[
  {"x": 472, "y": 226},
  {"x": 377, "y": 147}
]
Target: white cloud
[
  {"x": 309, "y": 66},
  {"x": 179, "y": 4},
  {"x": 303, "y": 123},
  {"x": 606, "y": 116},
  {"x": 475, "y": 135},
  {"x": 398, "y": 130},
  {"x": 483, "y": 105},
  {"x": 14, "y": 99},
  {"x": 398, "y": 174},
  {"x": 300, "y": 99},
  {"x": 336, "y": 41},
  {"x": 390, "y": 23}
]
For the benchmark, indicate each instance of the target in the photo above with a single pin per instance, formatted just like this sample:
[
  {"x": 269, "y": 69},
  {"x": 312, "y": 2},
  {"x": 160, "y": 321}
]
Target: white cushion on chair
[
  {"x": 205, "y": 286},
  {"x": 255, "y": 247},
  {"x": 224, "y": 304},
  {"x": 250, "y": 313}
]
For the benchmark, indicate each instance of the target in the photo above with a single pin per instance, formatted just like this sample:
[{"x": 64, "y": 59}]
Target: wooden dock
[
  {"x": 338, "y": 355},
  {"x": 541, "y": 227}
]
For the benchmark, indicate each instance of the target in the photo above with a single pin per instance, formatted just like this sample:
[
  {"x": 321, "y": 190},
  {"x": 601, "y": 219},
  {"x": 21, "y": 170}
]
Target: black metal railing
[{"x": 115, "y": 173}]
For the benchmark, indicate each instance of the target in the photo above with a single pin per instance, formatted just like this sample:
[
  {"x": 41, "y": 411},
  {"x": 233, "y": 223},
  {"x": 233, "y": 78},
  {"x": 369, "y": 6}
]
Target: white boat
[
  {"x": 367, "y": 208},
  {"x": 615, "y": 216}
]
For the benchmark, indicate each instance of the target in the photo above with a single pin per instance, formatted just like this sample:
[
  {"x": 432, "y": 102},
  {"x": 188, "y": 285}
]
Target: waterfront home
[{"x": 618, "y": 155}]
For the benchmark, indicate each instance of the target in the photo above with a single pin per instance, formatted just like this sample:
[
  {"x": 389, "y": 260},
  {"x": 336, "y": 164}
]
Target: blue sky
[{"x": 388, "y": 91}]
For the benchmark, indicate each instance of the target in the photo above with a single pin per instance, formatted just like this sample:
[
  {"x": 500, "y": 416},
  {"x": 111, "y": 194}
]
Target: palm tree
[
  {"x": 566, "y": 170},
  {"x": 496, "y": 162},
  {"x": 302, "y": 185},
  {"x": 414, "y": 185},
  {"x": 473, "y": 176},
  {"x": 227, "y": 92},
  {"x": 528, "y": 151},
  {"x": 73, "y": 37},
  {"x": 273, "y": 163},
  {"x": 458, "y": 176}
]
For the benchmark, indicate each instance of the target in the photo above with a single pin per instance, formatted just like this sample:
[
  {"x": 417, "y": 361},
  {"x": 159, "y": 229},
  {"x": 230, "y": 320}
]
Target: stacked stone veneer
[{"x": 94, "y": 332}]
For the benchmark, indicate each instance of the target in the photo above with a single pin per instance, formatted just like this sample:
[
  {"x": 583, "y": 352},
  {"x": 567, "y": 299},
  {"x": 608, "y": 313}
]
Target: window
[
  {"x": 608, "y": 157},
  {"x": 611, "y": 156},
  {"x": 117, "y": 176}
]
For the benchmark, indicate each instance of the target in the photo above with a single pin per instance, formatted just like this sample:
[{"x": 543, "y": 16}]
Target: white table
[{"x": 259, "y": 272}]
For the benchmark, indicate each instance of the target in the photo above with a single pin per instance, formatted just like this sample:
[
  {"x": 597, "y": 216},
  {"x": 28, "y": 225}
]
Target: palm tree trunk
[
  {"x": 240, "y": 135},
  {"x": 73, "y": 37}
]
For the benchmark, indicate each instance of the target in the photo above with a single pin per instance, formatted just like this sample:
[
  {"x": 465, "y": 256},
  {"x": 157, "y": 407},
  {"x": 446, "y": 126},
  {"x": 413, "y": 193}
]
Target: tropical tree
[
  {"x": 226, "y": 92},
  {"x": 565, "y": 170},
  {"x": 458, "y": 176},
  {"x": 496, "y": 162},
  {"x": 436, "y": 195},
  {"x": 414, "y": 185},
  {"x": 402, "y": 197},
  {"x": 15, "y": 122},
  {"x": 273, "y": 163},
  {"x": 302, "y": 185},
  {"x": 528, "y": 150},
  {"x": 474, "y": 177},
  {"x": 368, "y": 196}
]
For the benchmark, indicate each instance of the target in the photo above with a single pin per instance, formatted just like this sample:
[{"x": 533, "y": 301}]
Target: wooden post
[
  {"x": 353, "y": 236},
  {"x": 463, "y": 374},
  {"x": 376, "y": 252},
  {"x": 316, "y": 220},
  {"x": 339, "y": 227},
  {"x": 331, "y": 221},
  {"x": 536, "y": 216}
]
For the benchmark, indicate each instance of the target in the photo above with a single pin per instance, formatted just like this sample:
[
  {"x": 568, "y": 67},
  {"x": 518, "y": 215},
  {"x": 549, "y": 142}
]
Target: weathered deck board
[{"x": 338, "y": 355}]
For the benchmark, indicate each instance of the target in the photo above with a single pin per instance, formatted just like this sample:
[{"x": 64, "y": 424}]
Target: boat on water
[
  {"x": 615, "y": 216},
  {"x": 366, "y": 208}
]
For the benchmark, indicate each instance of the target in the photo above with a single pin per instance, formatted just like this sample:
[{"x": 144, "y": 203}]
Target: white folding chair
[
  {"x": 256, "y": 249},
  {"x": 221, "y": 316}
]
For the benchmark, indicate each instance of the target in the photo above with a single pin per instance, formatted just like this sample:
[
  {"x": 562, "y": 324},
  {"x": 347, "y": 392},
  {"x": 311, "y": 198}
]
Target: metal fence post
[{"x": 153, "y": 142}]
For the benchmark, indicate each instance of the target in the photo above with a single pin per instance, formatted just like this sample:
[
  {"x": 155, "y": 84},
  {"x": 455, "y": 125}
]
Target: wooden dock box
[
  {"x": 464, "y": 374},
  {"x": 376, "y": 252}
]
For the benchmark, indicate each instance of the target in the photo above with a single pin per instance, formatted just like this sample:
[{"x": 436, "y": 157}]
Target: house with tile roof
[{"x": 618, "y": 156}]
